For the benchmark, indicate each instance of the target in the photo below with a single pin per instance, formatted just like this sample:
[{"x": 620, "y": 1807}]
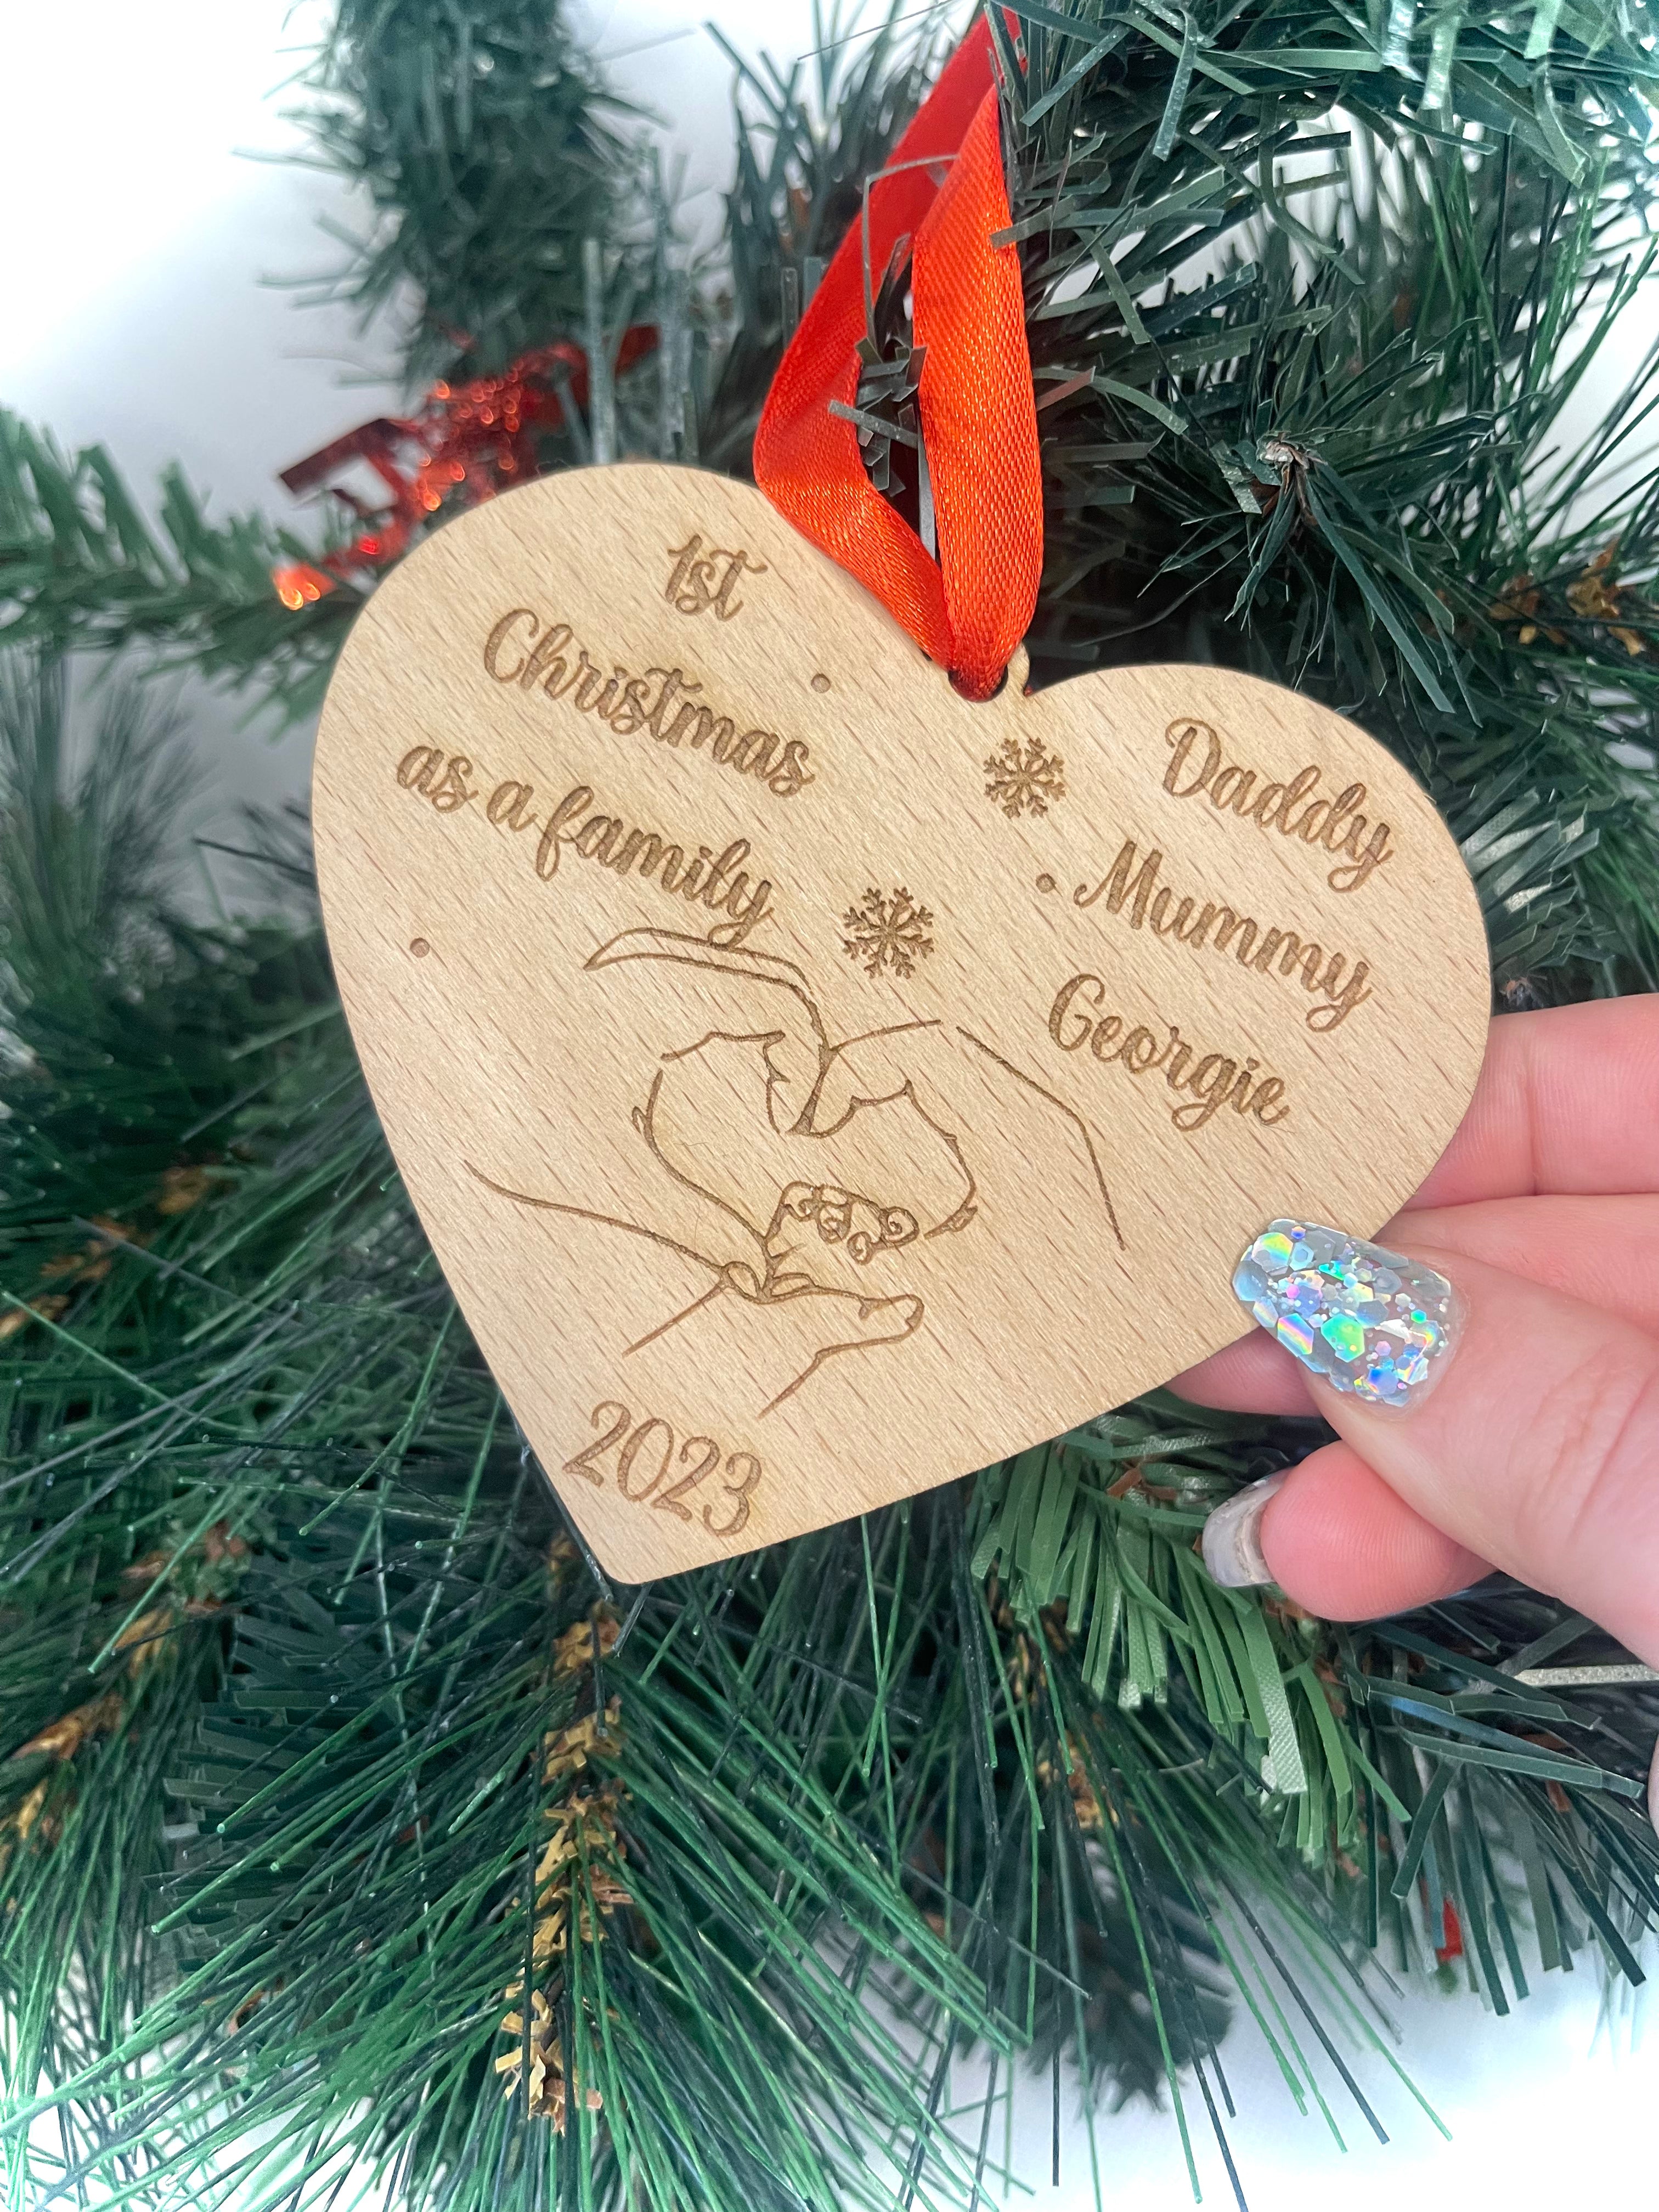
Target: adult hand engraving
[{"x": 814, "y": 1186}]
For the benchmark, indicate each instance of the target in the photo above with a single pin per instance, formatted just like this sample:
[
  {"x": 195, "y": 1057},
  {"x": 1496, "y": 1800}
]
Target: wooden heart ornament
[{"x": 816, "y": 1086}]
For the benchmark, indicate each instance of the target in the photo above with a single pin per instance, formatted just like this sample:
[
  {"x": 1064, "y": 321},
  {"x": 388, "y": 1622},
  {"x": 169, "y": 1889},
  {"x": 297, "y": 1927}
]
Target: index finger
[{"x": 1568, "y": 1101}]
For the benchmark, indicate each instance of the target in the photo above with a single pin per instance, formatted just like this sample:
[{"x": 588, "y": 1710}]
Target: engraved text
[
  {"x": 1199, "y": 768},
  {"x": 716, "y": 881},
  {"x": 703, "y": 580},
  {"x": 654, "y": 1468},
  {"x": 721, "y": 883},
  {"x": 658, "y": 704},
  {"x": 1326, "y": 976},
  {"x": 1209, "y": 1083}
]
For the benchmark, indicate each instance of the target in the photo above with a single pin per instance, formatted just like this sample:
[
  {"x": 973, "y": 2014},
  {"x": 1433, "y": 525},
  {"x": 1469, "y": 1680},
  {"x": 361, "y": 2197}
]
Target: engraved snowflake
[
  {"x": 1025, "y": 780},
  {"x": 887, "y": 932}
]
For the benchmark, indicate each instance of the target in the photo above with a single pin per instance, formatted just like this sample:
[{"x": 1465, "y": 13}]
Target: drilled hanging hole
[{"x": 1002, "y": 685}]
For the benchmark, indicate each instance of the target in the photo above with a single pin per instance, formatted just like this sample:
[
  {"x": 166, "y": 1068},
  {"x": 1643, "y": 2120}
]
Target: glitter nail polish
[{"x": 1371, "y": 1323}]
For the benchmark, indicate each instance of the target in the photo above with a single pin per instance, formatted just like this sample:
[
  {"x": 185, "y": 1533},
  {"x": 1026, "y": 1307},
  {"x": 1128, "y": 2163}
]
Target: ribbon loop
[{"x": 971, "y": 608}]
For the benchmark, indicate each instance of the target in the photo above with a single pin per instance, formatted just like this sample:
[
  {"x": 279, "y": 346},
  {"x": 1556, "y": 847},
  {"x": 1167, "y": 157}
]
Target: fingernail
[
  {"x": 1371, "y": 1323},
  {"x": 1232, "y": 1536}
]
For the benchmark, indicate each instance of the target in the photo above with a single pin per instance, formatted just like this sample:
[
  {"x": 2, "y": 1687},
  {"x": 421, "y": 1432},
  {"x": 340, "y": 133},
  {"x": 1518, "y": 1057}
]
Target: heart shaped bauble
[{"x": 816, "y": 1086}]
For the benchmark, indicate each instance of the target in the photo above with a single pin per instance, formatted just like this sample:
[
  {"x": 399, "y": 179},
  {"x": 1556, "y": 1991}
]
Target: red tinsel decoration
[
  {"x": 1452, "y": 1928},
  {"x": 467, "y": 442}
]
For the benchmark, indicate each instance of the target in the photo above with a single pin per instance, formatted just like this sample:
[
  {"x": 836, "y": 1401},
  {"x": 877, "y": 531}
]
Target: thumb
[{"x": 1520, "y": 1422}]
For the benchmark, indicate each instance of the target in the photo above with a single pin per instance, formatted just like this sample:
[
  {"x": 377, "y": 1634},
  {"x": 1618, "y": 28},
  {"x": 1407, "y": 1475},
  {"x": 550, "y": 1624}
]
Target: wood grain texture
[{"x": 816, "y": 1086}]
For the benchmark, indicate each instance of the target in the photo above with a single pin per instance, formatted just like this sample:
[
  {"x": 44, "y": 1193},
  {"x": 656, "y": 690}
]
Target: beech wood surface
[{"x": 816, "y": 1086}]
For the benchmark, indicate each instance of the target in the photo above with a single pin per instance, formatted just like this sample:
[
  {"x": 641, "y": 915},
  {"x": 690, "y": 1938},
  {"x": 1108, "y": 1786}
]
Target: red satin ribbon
[{"x": 971, "y": 608}]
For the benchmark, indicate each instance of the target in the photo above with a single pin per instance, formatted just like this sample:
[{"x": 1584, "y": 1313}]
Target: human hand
[{"x": 1536, "y": 1449}]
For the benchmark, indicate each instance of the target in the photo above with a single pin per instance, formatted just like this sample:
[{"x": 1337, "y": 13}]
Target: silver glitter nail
[
  {"x": 1372, "y": 1323},
  {"x": 1231, "y": 1541}
]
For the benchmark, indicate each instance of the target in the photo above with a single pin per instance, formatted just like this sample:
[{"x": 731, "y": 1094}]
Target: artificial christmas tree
[{"x": 347, "y": 1813}]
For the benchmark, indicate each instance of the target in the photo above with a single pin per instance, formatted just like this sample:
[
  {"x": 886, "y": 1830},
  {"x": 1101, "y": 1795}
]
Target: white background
[{"x": 137, "y": 307}]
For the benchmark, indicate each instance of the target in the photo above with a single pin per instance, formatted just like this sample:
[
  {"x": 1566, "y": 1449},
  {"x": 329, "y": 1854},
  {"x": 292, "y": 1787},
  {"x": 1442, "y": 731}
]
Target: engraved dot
[
  {"x": 1045, "y": 883},
  {"x": 420, "y": 947},
  {"x": 820, "y": 683}
]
